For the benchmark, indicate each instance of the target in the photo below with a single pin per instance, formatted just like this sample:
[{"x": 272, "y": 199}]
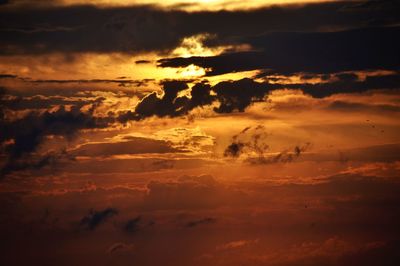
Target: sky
[{"x": 215, "y": 132}]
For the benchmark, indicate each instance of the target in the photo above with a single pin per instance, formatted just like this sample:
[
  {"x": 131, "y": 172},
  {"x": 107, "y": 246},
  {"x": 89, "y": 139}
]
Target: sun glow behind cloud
[
  {"x": 193, "y": 46},
  {"x": 100, "y": 66},
  {"x": 190, "y": 5}
]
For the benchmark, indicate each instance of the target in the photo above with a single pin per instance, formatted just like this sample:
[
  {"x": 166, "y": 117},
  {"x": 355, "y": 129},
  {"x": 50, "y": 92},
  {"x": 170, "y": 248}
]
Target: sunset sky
[{"x": 214, "y": 132}]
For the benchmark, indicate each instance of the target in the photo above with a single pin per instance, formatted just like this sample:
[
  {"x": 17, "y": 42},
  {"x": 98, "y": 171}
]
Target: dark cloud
[
  {"x": 237, "y": 95},
  {"x": 195, "y": 223},
  {"x": 234, "y": 149},
  {"x": 52, "y": 158},
  {"x": 116, "y": 247},
  {"x": 335, "y": 83},
  {"x": 28, "y": 132},
  {"x": 249, "y": 140},
  {"x": 231, "y": 95},
  {"x": 4, "y": 76},
  {"x": 138, "y": 62},
  {"x": 169, "y": 104},
  {"x": 19, "y": 102},
  {"x": 201, "y": 95},
  {"x": 22, "y": 137},
  {"x": 166, "y": 105},
  {"x": 252, "y": 144},
  {"x": 28, "y": 29},
  {"x": 310, "y": 52},
  {"x": 96, "y": 218},
  {"x": 345, "y": 85},
  {"x": 132, "y": 225},
  {"x": 285, "y": 156},
  {"x": 3, "y": 92},
  {"x": 87, "y": 29},
  {"x": 347, "y": 77}
]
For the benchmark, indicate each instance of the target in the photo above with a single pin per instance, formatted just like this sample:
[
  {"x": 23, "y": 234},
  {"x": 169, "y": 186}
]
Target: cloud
[
  {"x": 118, "y": 247},
  {"x": 18, "y": 102},
  {"x": 236, "y": 96},
  {"x": 96, "y": 218},
  {"x": 92, "y": 29},
  {"x": 236, "y": 244},
  {"x": 345, "y": 85},
  {"x": 6, "y": 76},
  {"x": 248, "y": 141},
  {"x": 166, "y": 105},
  {"x": 234, "y": 149},
  {"x": 23, "y": 136},
  {"x": 27, "y": 133},
  {"x": 169, "y": 103},
  {"x": 231, "y": 95},
  {"x": 195, "y": 223},
  {"x": 288, "y": 53},
  {"x": 200, "y": 96},
  {"x": 285, "y": 156},
  {"x": 132, "y": 225},
  {"x": 138, "y": 62},
  {"x": 28, "y": 29},
  {"x": 252, "y": 144},
  {"x": 51, "y": 158},
  {"x": 131, "y": 145}
]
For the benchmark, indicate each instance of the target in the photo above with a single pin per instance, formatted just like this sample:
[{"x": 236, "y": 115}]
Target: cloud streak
[{"x": 96, "y": 218}]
